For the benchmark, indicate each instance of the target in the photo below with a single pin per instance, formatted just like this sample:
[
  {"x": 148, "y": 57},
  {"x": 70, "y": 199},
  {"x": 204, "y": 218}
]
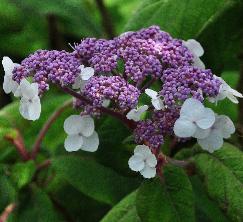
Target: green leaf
[
  {"x": 80, "y": 207},
  {"x": 93, "y": 179},
  {"x": 186, "y": 19},
  {"x": 170, "y": 200},
  {"x": 35, "y": 205},
  {"x": 8, "y": 193},
  {"x": 206, "y": 209},
  {"x": 222, "y": 173},
  {"x": 22, "y": 173},
  {"x": 124, "y": 211}
]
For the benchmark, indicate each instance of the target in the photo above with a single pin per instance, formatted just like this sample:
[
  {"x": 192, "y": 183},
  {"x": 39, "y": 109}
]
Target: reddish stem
[
  {"x": 18, "y": 142},
  {"x": 129, "y": 123},
  {"x": 8, "y": 210},
  {"x": 47, "y": 125}
]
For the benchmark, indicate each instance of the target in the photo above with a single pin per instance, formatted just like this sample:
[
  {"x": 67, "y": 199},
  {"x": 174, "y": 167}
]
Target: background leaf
[
  {"x": 22, "y": 173},
  {"x": 93, "y": 179},
  {"x": 124, "y": 211},
  {"x": 222, "y": 175},
  {"x": 170, "y": 200}
]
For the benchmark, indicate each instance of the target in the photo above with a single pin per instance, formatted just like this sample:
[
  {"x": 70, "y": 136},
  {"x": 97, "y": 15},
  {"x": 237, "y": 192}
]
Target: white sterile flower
[
  {"x": 194, "y": 119},
  {"x": 197, "y": 51},
  {"x": 30, "y": 106},
  {"x": 156, "y": 100},
  {"x": 9, "y": 85},
  {"x": 225, "y": 91},
  {"x": 221, "y": 129},
  {"x": 85, "y": 74},
  {"x": 135, "y": 114},
  {"x": 106, "y": 103},
  {"x": 143, "y": 161},
  {"x": 81, "y": 134}
]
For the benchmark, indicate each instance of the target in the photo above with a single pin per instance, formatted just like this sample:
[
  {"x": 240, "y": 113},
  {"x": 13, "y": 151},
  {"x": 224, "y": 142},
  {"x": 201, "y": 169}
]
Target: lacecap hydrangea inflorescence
[{"x": 110, "y": 76}]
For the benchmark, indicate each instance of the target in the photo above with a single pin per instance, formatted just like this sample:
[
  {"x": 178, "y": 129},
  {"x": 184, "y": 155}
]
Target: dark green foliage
[
  {"x": 222, "y": 176},
  {"x": 93, "y": 179},
  {"x": 168, "y": 200},
  {"x": 124, "y": 211}
]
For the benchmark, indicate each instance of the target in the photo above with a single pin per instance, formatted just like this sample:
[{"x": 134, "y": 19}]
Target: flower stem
[
  {"x": 46, "y": 126},
  {"x": 18, "y": 142},
  {"x": 178, "y": 163},
  {"x": 7, "y": 211},
  {"x": 129, "y": 123}
]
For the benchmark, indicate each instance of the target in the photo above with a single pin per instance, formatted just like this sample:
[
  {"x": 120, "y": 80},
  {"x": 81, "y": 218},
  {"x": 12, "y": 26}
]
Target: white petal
[
  {"x": 26, "y": 89},
  {"x": 151, "y": 93},
  {"x": 201, "y": 133},
  {"x": 192, "y": 109},
  {"x": 142, "y": 150},
  {"x": 9, "y": 85},
  {"x": 8, "y": 65},
  {"x": 73, "y": 143},
  {"x": 211, "y": 143},
  {"x": 35, "y": 88},
  {"x": 136, "y": 163},
  {"x": 151, "y": 160},
  {"x": 87, "y": 124},
  {"x": 90, "y": 143},
  {"x": 232, "y": 98},
  {"x": 148, "y": 172},
  {"x": 207, "y": 120},
  {"x": 184, "y": 128},
  {"x": 23, "y": 108},
  {"x": 86, "y": 73},
  {"x": 34, "y": 108},
  {"x": 81, "y": 67},
  {"x": 236, "y": 93},
  {"x": 135, "y": 114},
  {"x": 17, "y": 92},
  {"x": 197, "y": 62},
  {"x": 158, "y": 104},
  {"x": 225, "y": 125},
  {"x": 194, "y": 46},
  {"x": 30, "y": 110},
  {"x": 106, "y": 103},
  {"x": 77, "y": 83},
  {"x": 72, "y": 125}
]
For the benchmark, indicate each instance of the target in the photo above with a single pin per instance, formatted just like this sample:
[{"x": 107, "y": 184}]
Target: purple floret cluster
[
  {"x": 188, "y": 81},
  {"x": 45, "y": 66},
  {"x": 147, "y": 132},
  {"x": 113, "y": 88},
  {"x": 148, "y": 54}
]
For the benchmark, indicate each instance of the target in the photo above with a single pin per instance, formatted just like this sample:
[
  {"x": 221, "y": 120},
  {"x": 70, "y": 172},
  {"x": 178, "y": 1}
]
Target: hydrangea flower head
[{"x": 143, "y": 161}]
